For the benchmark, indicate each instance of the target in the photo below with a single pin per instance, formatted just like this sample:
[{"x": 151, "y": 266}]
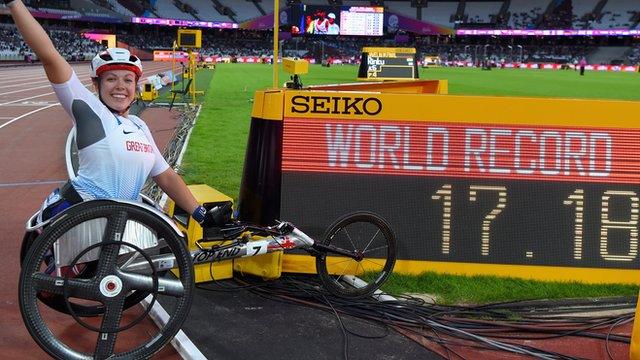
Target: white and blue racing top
[{"x": 116, "y": 154}]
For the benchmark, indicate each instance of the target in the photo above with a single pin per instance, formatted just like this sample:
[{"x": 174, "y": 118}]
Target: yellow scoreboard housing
[
  {"x": 535, "y": 188},
  {"x": 190, "y": 38}
]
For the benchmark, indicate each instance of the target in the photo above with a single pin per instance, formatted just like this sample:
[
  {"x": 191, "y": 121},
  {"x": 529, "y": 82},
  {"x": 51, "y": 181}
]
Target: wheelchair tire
[
  {"x": 370, "y": 238},
  {"x": 58, "y": 303},
  {"x": 100, "y": 287}
]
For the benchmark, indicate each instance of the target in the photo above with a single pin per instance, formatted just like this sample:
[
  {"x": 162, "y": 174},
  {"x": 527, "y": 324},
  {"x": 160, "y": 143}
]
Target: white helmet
[{"x": 115, "y": 59}]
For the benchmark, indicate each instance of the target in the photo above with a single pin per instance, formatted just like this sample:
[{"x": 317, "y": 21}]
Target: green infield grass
[{"x": 216, "y": 150}]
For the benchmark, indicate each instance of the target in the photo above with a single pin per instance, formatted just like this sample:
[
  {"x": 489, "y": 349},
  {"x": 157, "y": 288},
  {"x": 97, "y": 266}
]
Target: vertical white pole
[
  {"x": 173, "y": 62},
  {"x": 276, "y": 30}
]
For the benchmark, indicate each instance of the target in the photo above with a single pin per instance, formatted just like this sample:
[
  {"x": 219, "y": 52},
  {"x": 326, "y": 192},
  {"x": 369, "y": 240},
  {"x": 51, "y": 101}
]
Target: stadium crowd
[
  {"x": 634, "y": 56},
  {"x": 525, "y": 19},
  {"x": 237, "y": 43},
  {"x": 71, "y": 44}
]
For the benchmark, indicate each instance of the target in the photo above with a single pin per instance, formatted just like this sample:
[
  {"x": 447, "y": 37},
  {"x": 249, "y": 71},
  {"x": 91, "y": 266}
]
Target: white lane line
[
  {"x": 27, "y": 114},
  {"x": 49, "y": 93},
  {"x": 27, "y": 98},
  {"x": 22, "y": 90},
  {"x": 43, "y": 77},
  {"x": 31, "y": 183},
  {"x": 19, "y": 82},
  {"x": 33, "y": 103},
  {"x": 36, "y": 96}
]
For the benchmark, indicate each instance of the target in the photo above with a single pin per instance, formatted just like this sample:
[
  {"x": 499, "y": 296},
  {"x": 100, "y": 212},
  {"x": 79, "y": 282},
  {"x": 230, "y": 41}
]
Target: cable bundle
[{"x": 445, "y": 329}]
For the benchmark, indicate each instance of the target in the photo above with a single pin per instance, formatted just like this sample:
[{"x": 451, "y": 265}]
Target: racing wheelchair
[{"x": 96, "y": 260}]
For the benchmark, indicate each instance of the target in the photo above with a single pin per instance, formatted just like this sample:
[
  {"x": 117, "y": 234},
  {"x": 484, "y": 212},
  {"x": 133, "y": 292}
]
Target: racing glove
[{"x": 216, "y": 216}]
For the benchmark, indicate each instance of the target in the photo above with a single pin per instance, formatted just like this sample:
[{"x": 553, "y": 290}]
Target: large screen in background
[{"x": 337, "y": 20}]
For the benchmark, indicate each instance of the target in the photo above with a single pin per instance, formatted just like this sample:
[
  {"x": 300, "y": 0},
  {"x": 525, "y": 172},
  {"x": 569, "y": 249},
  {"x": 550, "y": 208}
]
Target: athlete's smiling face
[{"x": 118, "y": 89}]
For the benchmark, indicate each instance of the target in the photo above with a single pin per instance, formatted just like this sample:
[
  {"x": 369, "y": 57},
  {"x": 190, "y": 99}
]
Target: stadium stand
[
  {"x": 558, "y": 15},
  {"x": 581, "y": 11},
  {"x": 524, "y": 13},
  {"x": 405, "y": 8},
  {"x": 356, "y": 3},
  {"x": 481, "y": 12},
  {"x": 168, "y": 10},
  {"x": 11, "y": 48},
  {"x": 244, "y": 10},
  {"x": 266, "y": 5},
  {"x": 634, "y": 55},
  {"x": 438, "y": 13},
  {"x": 207, "y": 11},
  {"x": 242, "y": 43},
  {"x": 119, "y": 8},
  {"x": 607, "y": 54},
  {"x": 136, "y": 8},
  {"x": 96, "y": 9},
  {"x": 71, "y": 44},
  {"x": 615, "y": 14}
]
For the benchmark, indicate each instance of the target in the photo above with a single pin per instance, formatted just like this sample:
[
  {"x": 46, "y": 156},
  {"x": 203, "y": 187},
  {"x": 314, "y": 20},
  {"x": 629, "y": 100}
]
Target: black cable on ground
[{"x": 486, "y": 326}]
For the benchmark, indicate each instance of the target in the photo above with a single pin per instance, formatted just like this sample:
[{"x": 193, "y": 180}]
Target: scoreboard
[
  {"x": 537, "y": 188},
  {"x": 362, "y": 20},
  {"x": 388, "y": 64}
]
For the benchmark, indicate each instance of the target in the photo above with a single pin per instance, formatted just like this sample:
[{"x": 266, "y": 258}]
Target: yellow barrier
[
  {"x": 267, "y": 266},
  {"x": 193, "y": 231},
  {"x": 149, "y": 92}
]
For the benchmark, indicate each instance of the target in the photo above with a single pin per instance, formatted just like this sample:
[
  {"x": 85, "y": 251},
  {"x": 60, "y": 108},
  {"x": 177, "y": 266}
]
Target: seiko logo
[{"x": 335, "y": 105}]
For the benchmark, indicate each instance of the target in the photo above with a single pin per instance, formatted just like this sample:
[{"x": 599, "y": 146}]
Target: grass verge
[{"x": 457, "y": 289}]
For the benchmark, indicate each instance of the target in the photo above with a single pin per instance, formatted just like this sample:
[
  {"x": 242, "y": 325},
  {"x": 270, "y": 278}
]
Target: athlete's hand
[
  {"x": 216, "y": 216},
  {"x": 9, "y": 2}
]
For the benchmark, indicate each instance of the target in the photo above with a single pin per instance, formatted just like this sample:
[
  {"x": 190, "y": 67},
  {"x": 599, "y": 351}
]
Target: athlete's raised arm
[{"x": 56, "y": 67}]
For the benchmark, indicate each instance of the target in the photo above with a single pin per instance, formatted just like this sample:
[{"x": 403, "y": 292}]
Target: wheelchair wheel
[
  {"x": 109, "y": 284},
  {"x": 372, "y": 244},
  {"x": 87, "y": 270}
]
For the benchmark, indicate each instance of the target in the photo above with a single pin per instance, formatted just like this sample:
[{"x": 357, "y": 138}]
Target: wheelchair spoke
[
  {"x": 350, "y": 240},
  {"x": 109, "y": 253},
  {"x": 372, "y": 258},
  {"x": 145, "y": 283},
  {"x": 78, "y": 288},
  {"x": 109, "y": 327},
  {"x": 370, "y": 241},
  {"x": 375, "y": 249},
  {"x": 378, "y": 265}
]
